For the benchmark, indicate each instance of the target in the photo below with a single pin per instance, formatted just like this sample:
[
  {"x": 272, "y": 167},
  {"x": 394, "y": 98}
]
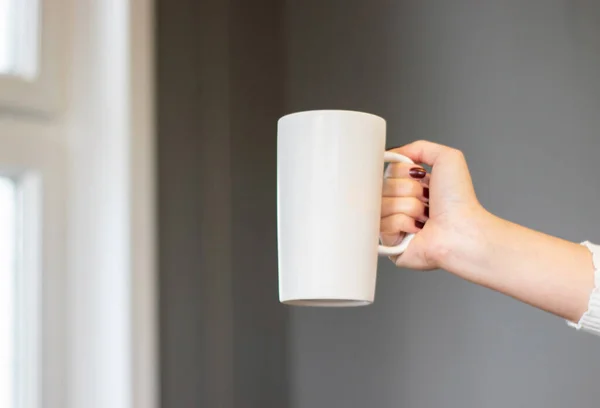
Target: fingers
[
  {"x": 395, "y": 187},
  {"x": 411, "y": 206},
  {"x": 392, "y": 225},
  {"x": 405, "y": 170},
  {"x": 403, "y": 206},
  {"x": 391, "y": 239}
]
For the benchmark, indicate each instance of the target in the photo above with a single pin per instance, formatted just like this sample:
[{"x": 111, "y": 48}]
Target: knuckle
[
  {"x": 398, "y": 222},
  {"x": 399, "y": 206},
  {"x": 414, "y": 206},
  {"x": 415, "y": 203},
  {"x": 390, "y": 224},
  {"x": 402, "y": 205},
  {"x": 385, "y": 224},
  {"x": 400, "y": 188},
  {"x": 457, "y": 153},
  {"x": 407, "y": 188},
  {"x": 415, "y": 188}
]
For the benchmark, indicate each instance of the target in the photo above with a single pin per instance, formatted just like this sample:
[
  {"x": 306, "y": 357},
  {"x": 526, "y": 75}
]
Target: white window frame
[
  {"x": 42, "y": 94},
  {"x": 30, "y": 154},
  {"x": 84, "y": 133},
  {"x": 112, "y": 228}
]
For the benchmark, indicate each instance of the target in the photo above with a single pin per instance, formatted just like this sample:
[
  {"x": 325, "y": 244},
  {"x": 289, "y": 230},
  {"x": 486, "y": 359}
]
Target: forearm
[{"x": 544, "y": 271}]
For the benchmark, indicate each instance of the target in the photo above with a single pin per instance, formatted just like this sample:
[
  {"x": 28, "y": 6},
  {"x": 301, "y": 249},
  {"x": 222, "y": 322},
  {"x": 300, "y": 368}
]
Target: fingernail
[
  {"x": 419, "y": 224},
  {"x": 426, "y": 192},
  {"x": 427, "y": 212},
  {"x": 417, "y": 172}
]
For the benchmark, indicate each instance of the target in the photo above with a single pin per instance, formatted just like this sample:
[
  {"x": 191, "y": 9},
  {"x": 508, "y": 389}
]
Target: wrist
[{"x": 469, "y": 248}]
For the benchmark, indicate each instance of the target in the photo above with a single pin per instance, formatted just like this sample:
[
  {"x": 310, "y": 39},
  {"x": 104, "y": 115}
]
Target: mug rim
[{"x": 342, "y": 111}]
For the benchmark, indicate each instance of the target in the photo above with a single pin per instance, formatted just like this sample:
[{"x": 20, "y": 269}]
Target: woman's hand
[
  {"x": 458, "y": 235},
  {"x": 441, "y": 206}
]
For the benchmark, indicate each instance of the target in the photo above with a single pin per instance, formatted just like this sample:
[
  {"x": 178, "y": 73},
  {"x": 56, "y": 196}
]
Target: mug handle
[{"x": 401, "y": 247}]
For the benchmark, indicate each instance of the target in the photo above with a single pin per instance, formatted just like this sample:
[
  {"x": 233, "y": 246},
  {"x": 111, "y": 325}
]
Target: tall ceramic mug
[{"x": 329, "y": 185}]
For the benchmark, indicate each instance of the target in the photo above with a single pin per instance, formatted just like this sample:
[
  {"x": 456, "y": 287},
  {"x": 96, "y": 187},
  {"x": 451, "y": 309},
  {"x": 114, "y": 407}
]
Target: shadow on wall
[{"x": 223, "y": 332}]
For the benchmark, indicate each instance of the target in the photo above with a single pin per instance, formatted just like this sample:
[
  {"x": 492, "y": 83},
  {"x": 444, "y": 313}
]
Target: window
[
  {"x": 8, "y": 250},
  {"x": 82, "y": 325},
  {"x": 32, "y": 58},
  {"x": 31, "y": 62},
  {"x": 6, "y": 40},
  {"x": 32, "y": 222},
  {"x": 20, "y": 296},
  {"x": 19, "y": 46}
]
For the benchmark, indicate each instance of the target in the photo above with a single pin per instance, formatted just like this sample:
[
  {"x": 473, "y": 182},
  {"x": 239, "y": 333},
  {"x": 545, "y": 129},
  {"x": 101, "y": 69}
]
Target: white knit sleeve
[{"x": 590, "y": 321}]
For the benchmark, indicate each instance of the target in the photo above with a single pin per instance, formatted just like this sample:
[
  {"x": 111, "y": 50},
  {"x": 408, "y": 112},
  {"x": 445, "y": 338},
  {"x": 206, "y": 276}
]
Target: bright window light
[
  {"x": 6, "y": 37},
  {"x": 19, "y": 42},
  {"x": 8, "y": 200}
]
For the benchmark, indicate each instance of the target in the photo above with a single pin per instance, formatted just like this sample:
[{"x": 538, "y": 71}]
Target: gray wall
[
  {"x": 223, "y": 333},
  {"x": 516, "y": 85}
]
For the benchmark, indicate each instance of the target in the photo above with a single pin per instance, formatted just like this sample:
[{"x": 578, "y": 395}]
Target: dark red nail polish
[
  {"x": 426, "y": 192},
  {"x": 427, "y": 212},
  {"x": 419, "y": 224},
  {"x": 417, "y": 172}
]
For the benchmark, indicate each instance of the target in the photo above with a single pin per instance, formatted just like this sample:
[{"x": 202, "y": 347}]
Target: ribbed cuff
[{"x": 590, "y": 321}]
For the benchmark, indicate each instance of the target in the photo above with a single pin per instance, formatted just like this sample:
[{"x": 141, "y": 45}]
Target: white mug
[{"x": 329, "y": 187}]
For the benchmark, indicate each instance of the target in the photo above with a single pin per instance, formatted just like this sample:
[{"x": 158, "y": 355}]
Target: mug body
[{"x": 329, "y": 181}]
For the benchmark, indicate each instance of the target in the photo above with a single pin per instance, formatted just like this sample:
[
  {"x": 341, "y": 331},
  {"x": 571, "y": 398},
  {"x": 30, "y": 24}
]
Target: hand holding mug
[
  {"x": 440, "y": 207},
  {"x": 333, "y": 202}
]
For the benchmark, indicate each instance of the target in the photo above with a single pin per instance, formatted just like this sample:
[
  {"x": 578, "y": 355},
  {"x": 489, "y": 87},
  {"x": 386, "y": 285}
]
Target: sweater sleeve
[{"x": 590, "y": 321}]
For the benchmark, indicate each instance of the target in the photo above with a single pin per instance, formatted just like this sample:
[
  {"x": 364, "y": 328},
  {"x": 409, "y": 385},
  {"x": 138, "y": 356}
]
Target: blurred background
[
  {"x": 515, "y": 85},
  {"x": 138, "y": 257}
]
